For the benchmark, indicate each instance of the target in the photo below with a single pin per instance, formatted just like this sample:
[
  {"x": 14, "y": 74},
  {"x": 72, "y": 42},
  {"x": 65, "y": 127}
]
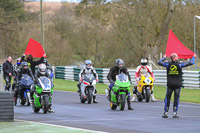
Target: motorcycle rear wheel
[
  {"x": 22, "y": 101},
  {"x": 112, "y": 106},
  {"x": 82, "y": 100},
  {"x": 35, "y": 109}
]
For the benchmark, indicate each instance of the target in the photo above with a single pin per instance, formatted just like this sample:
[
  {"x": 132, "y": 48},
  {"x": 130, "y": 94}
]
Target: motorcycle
[
  {"x": 144, "y": 88},
  {"x": 42, "y": 95},
  {"x": 25, "y": 83},
  {"x": 119, "y": 92},
  {"x": 87, "y": 88}
]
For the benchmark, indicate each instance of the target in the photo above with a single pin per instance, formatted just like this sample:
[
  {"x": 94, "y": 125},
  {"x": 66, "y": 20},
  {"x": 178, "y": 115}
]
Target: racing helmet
[
  {"x": 42, "y": 69},
  {"x": 88, "y": 64},
  {"x": 120, "y": 63},
  {"x": 24, "y": 65},
  {"x": 143, "y": 61}
]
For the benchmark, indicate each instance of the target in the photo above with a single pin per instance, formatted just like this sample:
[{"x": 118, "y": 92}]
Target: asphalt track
[{"x": 145, "y": 118}]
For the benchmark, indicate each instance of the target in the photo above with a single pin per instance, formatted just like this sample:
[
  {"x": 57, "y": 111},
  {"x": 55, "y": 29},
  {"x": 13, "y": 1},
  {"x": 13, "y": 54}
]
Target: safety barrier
[
  {"x": 191, "y": 79},
  {"x": 6, "y": 106},
  {"x": 72, "y": 73}
]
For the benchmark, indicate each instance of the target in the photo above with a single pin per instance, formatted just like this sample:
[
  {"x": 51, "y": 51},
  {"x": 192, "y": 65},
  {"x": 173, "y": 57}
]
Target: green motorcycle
[
  {"x": 42, "y": 95},
  {"x": 120, "y": 91}
]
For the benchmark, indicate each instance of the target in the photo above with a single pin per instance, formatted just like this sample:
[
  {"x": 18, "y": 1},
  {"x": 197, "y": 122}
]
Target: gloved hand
[
  {"x": 36, "y": 81},
  {"x": 81, "y": 80}
]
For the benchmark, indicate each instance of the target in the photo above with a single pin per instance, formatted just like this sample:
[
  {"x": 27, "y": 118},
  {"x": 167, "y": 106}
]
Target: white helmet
[
  {"x": 42, "y": 69},
  {"x": 143, "y": 61}
]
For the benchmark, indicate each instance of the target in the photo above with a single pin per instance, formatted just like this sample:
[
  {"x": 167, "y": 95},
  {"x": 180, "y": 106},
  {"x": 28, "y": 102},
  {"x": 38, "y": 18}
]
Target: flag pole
[{"x": 42, "y": 31}]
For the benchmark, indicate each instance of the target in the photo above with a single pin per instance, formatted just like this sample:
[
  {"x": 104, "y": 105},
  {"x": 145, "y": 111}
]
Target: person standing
[
  {"x": 31, "y": 62},
  {"x": 174, "y": 81},
  {"x": 8, "y": 72}
]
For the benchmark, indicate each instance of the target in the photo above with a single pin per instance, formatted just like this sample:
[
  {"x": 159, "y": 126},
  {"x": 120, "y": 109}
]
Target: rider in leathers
[
  {"x": 42, "y": 71},
  {"x": 142, "y": 69},
  {"x": 88, "y": 69},
  {"x": 16, "y": 71},
  {"x": 116, "y": 70},
  {"x": 24, "y": 70}
]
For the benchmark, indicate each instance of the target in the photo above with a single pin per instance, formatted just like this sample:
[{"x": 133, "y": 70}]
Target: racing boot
[
  {"x": 153, "y": 98},
  {"x": 107, "y": 91},
  {"x": 50, "y": 109},
  {"x": 133, "y": 98},
  {"x": 129, "y": 104},
  {"x": 165, "y": 115},
  {"x": 94, "y": 99},
  {"x": 175, "y": 115},
  {"x": 79, "y": 87},
  {"x": 134, "y": 94}
]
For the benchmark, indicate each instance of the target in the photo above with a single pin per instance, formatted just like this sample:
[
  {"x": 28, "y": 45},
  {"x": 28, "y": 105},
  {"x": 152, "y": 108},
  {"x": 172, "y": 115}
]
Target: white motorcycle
[{"x": 87, "y": 88}]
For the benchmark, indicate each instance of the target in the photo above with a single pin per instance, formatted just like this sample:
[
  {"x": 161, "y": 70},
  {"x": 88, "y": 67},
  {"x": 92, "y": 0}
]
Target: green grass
[
  {"x": 30, "y": 127},
  {"x": 187, "y": 95}
]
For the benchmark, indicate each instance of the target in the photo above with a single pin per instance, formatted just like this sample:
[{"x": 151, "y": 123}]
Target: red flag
[
  {"x": 34, "y": 48},
  {"x": 175, "y": 46}
]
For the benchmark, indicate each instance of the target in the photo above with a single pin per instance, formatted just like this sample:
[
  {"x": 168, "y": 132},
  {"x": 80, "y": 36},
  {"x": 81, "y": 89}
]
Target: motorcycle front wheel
[
  {"x": 148, "y": 93},
  {"x": 122, "y": 101},
  {"x": 89, "y": 97},
  {"x": 45, "y": 104},
  {"x": 35, "y": 109}
]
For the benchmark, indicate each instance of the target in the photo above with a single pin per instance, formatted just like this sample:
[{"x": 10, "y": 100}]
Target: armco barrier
[
  {"x": 191, "y": 79},
  {"x": 72, "y": 73},
  {"x": 6, "y": 106}
]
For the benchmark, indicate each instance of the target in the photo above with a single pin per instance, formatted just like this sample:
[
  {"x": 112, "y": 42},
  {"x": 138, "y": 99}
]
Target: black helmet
[
  {"x": 24, "y": 65},
  {"x": 143, "y": 61},
  {"x": 45, "y": 61},
  {"x": 88, "y": 64},
  {"x": 120, "y": 63}
]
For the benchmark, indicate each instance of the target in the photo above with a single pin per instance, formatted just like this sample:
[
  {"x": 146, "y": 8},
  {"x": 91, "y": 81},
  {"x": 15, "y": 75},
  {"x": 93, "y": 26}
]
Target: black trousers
[
  {"x": 21, "y": 91},
  {"x": 176, "y": 98},
  {"x": 8, "y": 80}
]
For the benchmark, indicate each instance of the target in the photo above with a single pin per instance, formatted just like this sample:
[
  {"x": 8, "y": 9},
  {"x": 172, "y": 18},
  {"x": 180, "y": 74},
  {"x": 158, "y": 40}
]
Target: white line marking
[{"x": 74, "y": 128}]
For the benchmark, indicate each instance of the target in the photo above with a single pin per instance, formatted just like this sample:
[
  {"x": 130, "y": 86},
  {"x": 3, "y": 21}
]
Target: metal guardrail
[
  {"x": 72, "y": 73},
  {"x": 191, "y": 79}
]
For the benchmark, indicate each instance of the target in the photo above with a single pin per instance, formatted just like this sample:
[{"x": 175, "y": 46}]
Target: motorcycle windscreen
[
  {"x": 26, "y": 80},
  {"x": 89, "y": 78},
  {"x": 122, "y": 77},
  {"x": 45, "y": 81}
]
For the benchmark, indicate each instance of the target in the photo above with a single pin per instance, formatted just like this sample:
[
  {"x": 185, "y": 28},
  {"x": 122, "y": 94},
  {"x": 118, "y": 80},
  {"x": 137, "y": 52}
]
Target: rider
[
  {"x": 42, "y": 71},
  {"x": 116, "y": 70},
  {"x": 49, "y": 67},
  {"x": 15, "y": 74},
  {"x": 88, "y": 69},
  {"x": 23, "y": 70},
  {"x": 142, "y": 69}
]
